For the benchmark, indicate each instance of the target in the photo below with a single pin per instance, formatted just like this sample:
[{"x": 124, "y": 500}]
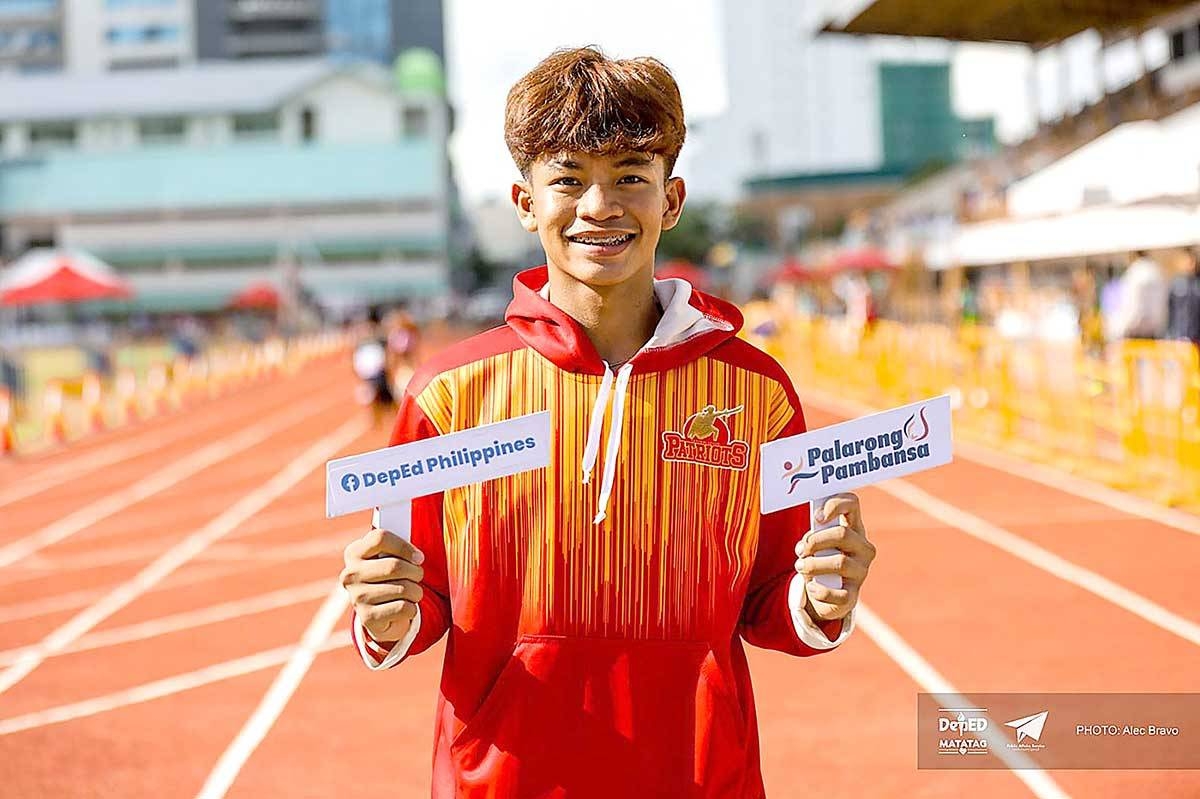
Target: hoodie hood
[{"x": 692, "y": 324}]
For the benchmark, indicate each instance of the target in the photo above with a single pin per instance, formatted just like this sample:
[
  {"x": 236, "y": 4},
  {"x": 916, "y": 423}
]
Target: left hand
[{"x": 852, "y": 561}]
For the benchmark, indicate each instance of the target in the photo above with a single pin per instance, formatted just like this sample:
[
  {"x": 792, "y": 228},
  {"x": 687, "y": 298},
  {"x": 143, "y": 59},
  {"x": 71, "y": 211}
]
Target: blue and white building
[{"x": 196, "y": 181}]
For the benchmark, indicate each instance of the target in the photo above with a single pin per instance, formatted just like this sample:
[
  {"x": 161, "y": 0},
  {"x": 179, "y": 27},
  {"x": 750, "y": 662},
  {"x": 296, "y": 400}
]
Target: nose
[{"x": 598, "y": 204}]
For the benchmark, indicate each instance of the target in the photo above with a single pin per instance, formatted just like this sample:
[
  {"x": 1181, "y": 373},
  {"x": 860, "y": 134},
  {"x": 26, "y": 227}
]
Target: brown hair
[{"x": 582, "y": 100}]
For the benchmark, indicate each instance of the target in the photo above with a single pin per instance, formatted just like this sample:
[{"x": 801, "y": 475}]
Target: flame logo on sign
[
  {"x": 912, "y": 431},
  {"x": 795, "y": 477}
]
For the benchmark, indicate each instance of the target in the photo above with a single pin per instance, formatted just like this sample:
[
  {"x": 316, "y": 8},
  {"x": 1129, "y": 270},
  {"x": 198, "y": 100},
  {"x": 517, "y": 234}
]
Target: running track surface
[{"x": 149, "y": 641}]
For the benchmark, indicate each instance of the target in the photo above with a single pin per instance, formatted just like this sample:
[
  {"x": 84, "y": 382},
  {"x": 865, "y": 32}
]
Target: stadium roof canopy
[{"x": 1032, "y": 22}]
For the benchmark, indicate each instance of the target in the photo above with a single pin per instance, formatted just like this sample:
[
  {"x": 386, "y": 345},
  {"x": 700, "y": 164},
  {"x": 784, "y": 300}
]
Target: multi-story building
[
  {"x": 31, "y": 35},
  {"x": 106, "y": 35},
  {"x": 382, "y": 29},
  {"x": 800, "y": 103},
  {"x": 197, "y": 180},
  {"x": 236, "y": 29},
  {"x": 94, "y": 35}
]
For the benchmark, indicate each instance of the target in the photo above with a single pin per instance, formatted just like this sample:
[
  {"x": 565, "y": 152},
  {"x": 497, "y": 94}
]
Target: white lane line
[
  {"x": 1129, "y": 504},
  {"x": 34, "y": 568},
  {"x": 79, "y": 599},
  {"x": 161, "y": 688},
  {"x": 213, "y": 614},
  {"x": 275, "y": 700},
  {"x": 1043, "y": 559},
  {"x": 77, "y": 465},
  {"x": 314, "y": 457},
  {"x": 329, "y": 545},
  {"x": 931, "y": 680},
  {"x": 177, "y": 472}
]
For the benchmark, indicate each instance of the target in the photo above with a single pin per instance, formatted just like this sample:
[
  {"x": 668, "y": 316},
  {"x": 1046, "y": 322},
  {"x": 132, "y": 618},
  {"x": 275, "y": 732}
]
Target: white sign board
[
  {"x": 845, "y": 456},
  {"x": 397, "y": 474}
]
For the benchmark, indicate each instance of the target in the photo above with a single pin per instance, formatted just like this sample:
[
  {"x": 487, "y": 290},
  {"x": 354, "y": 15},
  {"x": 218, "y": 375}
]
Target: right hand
[{"x": 382, "y": 576}]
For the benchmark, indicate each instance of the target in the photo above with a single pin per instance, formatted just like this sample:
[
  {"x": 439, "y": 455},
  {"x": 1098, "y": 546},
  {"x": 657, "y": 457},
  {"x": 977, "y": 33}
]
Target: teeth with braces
[{"x": 602, "y": 242}]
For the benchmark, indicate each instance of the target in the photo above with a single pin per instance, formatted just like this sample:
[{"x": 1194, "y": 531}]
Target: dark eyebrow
[
  {"x": 636, "y": 160},
  {"x": 564, "y": 163}
]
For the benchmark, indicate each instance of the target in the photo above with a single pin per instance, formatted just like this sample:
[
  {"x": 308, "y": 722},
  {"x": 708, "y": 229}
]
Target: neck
[{"x": 618, "y": 320}]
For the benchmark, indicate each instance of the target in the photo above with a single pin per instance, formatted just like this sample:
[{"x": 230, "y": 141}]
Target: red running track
[{"x": 169, "y": 617}]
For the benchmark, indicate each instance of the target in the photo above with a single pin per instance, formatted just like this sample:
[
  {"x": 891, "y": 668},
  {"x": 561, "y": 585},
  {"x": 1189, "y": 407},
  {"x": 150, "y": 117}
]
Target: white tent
[
  {"x": 1091, "y": 231},
  {"x": 1135, "y": 162}
]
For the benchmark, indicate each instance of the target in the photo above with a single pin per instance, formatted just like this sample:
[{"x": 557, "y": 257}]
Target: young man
[{"x": 596, "y": 609}]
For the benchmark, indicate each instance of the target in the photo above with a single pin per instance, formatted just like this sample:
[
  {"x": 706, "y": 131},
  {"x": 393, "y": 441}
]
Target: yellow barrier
[{"x": 1130, "y": 419}]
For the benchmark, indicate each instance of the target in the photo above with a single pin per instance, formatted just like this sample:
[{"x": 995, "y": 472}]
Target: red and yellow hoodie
[{"x": 596, "y": 609}]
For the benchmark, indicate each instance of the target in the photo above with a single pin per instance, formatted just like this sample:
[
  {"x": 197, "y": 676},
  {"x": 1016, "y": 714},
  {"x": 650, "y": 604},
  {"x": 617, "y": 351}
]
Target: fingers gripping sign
[
  {"x": 383, "y": 577},
  {"x": 834, "y": 560}
]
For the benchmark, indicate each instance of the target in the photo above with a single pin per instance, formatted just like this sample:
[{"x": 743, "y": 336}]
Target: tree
[{"x": 692, "y": 237}]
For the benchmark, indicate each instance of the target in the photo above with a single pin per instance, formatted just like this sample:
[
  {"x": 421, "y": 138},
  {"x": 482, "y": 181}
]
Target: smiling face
[{"x": 599, "y": 217}]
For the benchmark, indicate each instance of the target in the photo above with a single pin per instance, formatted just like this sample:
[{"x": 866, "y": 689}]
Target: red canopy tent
[
  {"x": 262, "y": 295},
  {"x": 793, "y": 271},
  {"x": 868, "y": 259},
  {"x": 684, "y": 270},
  {"x": 46, "y": 275}
]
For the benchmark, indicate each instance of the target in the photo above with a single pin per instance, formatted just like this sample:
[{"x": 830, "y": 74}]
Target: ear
[
  {"x": 673, "y": 202},
  {"x": 522, "y": 199}
]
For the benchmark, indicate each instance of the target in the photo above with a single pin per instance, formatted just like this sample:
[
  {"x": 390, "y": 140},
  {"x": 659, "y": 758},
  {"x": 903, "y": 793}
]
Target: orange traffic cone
[
  {"x": 93, "y": 406},
  {"x": 127, "y": 396},
  {"x": 156, "y": 383},
  {"x": 52, "y": 412},
  {"x": 8, "y": 440}
]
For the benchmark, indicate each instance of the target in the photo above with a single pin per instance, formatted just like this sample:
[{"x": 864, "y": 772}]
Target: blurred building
[
  {"x": 259, "y": 28},
  {"x": 31, "y": 35},
  {"x": 198, "y": 180},
  {"x": 1182, "y": 71},
  {"x": 818, "y": 127},
  {"x": 501, "y": 239},
  {"x": 382, "y": 29}
]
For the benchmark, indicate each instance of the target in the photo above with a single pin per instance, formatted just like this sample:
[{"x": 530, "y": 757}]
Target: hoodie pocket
[{"x": 605, "y": 717}]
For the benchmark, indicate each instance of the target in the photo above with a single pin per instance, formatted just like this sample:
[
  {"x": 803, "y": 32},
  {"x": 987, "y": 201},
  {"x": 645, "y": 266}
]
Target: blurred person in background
[
  {"x": 403, "y": 339},
  {"x": 370, "y": 362},
  {"x": 1183, "y": 312},
  {"x": 12, "y": 378},
  {"x": 1141, "y": 311}
]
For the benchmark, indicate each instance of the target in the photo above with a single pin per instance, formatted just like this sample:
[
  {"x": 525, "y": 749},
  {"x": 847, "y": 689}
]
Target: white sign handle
[
  {"x": 827, "y": 580},
  {"x": 395, "y": 518}
]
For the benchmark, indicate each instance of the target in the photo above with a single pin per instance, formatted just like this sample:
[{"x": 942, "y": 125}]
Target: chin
[{"x": 601, "y": 272}]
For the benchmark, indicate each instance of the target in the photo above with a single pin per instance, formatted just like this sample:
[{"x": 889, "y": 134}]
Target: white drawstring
[
  {"x": 614, "y": 443},
  {"x": 592, "y": 449}
]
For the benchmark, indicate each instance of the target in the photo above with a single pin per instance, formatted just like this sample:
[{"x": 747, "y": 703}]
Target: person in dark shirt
[{"x": 1183, "y": 309}]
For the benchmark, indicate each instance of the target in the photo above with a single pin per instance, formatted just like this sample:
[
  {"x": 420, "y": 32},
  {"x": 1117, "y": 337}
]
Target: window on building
[
  {"x": 161, "y": 130},
  {"x": 51, "y": 135},
  {"x": 143, "y": 34},
  {"x": 118, "y": 4},
  {"x": 255, "y": 126},
  {"x": 14, "y": 7},
  {"x": 308, "y": 124},
  {"x": 415, "y": 122},
  {"x": 1178, "y": 45}
]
